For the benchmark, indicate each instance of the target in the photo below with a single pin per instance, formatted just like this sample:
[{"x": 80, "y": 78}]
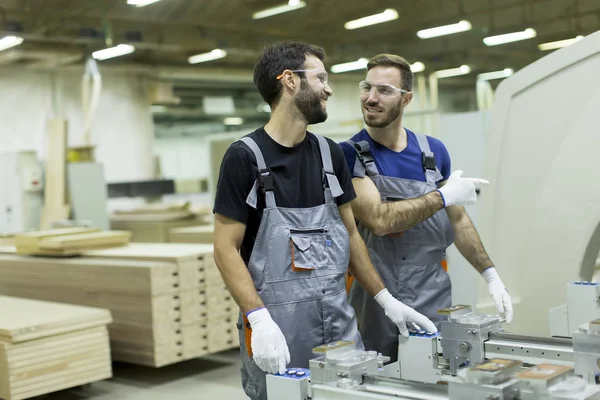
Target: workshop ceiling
[{"x": 166, "y": 33}]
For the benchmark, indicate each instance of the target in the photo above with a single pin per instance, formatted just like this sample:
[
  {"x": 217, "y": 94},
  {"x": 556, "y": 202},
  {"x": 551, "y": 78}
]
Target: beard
[
  {"x": 309, "y": 104},
  {"x": 381, "y": 120}
]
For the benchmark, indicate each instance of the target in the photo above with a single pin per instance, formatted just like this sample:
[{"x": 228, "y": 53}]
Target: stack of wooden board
[
  {"x": 203, "y": 306},
  {"x": 46, "y": 347},
  {"x": 193, "y": 234},
  {"x": 152, "y": 228},
  {"x": 68, "y": 241},
  {"x": 169, "y": 304}
]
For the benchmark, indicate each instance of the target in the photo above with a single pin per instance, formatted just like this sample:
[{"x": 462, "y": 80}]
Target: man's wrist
[
  {"x": 437, "y": 199},
  {"x": 490, "y": 274},
  {"x": 253, "y": 310}
]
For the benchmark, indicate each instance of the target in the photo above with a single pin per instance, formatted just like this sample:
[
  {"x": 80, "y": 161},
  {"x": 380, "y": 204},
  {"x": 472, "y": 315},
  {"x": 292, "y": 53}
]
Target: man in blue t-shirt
[{"x": 409, "y": 207}]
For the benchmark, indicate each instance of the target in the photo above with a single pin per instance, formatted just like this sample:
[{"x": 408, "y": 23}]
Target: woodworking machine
[{"x": 470, "y": 358}]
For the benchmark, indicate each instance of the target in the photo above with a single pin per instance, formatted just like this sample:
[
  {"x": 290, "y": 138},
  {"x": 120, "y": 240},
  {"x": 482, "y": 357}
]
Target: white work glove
[
  {"x": 498, "y": 293},
  {"x": 460, "y": 191},
  {"x": 401, "y": 314},
  {"x": 269, "y": 348}
]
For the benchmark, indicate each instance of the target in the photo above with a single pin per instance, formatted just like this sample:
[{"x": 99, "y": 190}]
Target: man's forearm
[
  {"x": 469, "y": 244},
  {"x": 361, "y": 266},
  {"x": 238, "y": 280},
  {"x": 402, "y": 215}
]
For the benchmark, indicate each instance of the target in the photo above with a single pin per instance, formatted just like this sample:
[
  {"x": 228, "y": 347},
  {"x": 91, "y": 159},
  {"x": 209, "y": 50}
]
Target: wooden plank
[
  {"x": 59, "y": 361},
  {"x": 32, "y": 238},
  {"x": 172, "y": 252},
  {"x": 100, "y": 275},
  {"x": 25, "y": 319},
  {"x": 83, "y": 240},
  {"x": 55, "y": 206},
  {"x": 193, "y": 234}
]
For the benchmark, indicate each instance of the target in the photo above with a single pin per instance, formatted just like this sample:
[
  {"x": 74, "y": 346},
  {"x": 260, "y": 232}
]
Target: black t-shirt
[{"x": 297, "y": 178}]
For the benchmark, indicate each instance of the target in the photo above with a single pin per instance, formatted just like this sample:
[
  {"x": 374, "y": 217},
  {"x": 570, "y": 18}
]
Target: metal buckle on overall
[
  {"x": 428, "y": 162},
  {"x": 324, "y": 182},
  {"x": 359, "y": 152},
  {"x": 265, "y": 181}
]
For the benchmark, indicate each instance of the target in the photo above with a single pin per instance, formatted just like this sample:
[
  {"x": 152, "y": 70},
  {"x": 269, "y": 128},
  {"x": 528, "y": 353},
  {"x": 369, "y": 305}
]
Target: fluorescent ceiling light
[
  {"x": 505, "y": 73},
  {"x": 417, "y": 67},
  {"x": 361, "y": 63},
  {"x": 141, "y": 3},
  {"x": 461, "y": 26},
  {"x": 290, "y": 6},
  {"x": 388, "y": 15},
  {"x": 447, "y": 73},
  {"x": 559, "y": 43},
  {"x": 233, "y": 121},
  {"x": 510, "y": 37},
  {"x": 213, "y": 55},
  {"x": 10, "y": 41},
  {"x": 263, "y": 107},
  {"x": 111, "y": 52}
]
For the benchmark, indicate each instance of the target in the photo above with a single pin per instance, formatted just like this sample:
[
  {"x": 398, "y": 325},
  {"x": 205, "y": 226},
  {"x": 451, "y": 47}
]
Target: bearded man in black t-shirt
[{"x": 285, "y": 234}]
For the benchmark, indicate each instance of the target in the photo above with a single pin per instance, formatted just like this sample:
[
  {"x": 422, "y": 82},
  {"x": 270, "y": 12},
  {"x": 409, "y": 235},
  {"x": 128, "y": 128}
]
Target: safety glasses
[
  {"x": 322, "y": 75},
  {"x": 383, "y": 89}
]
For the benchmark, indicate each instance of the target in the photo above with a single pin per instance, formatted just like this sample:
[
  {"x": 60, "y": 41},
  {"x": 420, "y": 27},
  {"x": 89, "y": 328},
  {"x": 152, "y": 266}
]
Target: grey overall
[
  {"x": 408, "y": 262},
  {"x": 298, "y": 266}
]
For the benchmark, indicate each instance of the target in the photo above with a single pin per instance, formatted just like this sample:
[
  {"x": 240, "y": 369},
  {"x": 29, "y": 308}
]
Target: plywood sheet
[
  {"x": 25, "y": 319},
  {"x": 174, "y": 252}
]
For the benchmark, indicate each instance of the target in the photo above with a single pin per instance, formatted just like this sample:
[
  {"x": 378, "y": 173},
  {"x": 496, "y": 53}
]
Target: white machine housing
[{"x": 540, "y": 216}]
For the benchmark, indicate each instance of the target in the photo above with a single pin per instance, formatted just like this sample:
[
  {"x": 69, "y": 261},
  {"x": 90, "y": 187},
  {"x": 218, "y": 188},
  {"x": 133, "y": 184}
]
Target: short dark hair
[
  {"x": 392, "y": 60},
  {"x": 276, "y": 58}
]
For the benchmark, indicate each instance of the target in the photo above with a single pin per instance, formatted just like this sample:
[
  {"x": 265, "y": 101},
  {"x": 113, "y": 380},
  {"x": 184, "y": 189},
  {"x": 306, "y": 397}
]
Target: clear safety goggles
[
  {"x": 383, "y": 89},
  {"x": 321, "y": 74}
]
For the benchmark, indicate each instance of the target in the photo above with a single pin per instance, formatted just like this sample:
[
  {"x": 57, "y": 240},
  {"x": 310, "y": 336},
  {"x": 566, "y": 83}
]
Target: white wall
[
  {"x": 464, "y": 135},
  {"x": 122, "y": 130},
  {"x": 183, "y": 158}
]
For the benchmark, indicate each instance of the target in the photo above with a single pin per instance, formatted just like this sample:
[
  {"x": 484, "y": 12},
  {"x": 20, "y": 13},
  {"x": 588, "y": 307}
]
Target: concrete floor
[{"x": 212, "y": 377}]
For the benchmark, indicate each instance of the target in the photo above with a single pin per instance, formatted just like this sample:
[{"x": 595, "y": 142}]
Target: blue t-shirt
[{"x": 407, "y": 164}]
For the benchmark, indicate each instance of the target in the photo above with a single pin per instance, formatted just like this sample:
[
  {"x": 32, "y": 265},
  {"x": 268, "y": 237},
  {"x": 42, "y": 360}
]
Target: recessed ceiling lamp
[
  {"x": 487, "y": 76},
  {"x": 210, "y": 56},
  {"x": 559, "y": 43},
  {"x": 461, "y": 26},
  {"x": 447, "y": 73},
  {"x": 385, "y": 16},
  {"x": 10, "y": 41},
  {"x": 269, "y": 12},
  {"x": 528, "y": 33},
  {"x": 141, "y": 3},
  {"x": 417, "y": 67},
  {"x": 112, "y": 52},
  {"x": 233, "y": 121},
  {"x": 361, "y": 63}
]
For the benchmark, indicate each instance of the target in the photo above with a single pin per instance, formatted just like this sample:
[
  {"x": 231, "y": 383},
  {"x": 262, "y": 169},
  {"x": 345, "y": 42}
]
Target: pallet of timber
[
  {"x": 162, "y": 302},
  {"x": 47, "y": 347},
  {"x": 211, "y": 300},
  {"x": 68, "y": 241},
  {"x": 193, "y": 234}
]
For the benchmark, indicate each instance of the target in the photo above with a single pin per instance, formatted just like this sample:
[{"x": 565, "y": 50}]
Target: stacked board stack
[
  {"x": 46, "y": 347},
  {"x": 168, "y": 301},
  {"x": 193, "y": 234}
]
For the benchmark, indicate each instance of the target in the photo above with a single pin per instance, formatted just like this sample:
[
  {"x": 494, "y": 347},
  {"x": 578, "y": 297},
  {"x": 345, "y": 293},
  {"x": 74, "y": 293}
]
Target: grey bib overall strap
[
  {"x": 298, "y": 264},
  {"x": 409, "y": 262}
]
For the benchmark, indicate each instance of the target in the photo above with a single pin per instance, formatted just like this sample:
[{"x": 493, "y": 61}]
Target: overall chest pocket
[{"x": 309, "y": 249}]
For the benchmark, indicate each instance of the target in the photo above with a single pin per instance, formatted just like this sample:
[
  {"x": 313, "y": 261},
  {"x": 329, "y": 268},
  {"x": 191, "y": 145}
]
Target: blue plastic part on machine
[
  {"x": 296, "y": 373},
  {"x": 586, "y": 283},
  {"x": 424, "y": 334}
]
